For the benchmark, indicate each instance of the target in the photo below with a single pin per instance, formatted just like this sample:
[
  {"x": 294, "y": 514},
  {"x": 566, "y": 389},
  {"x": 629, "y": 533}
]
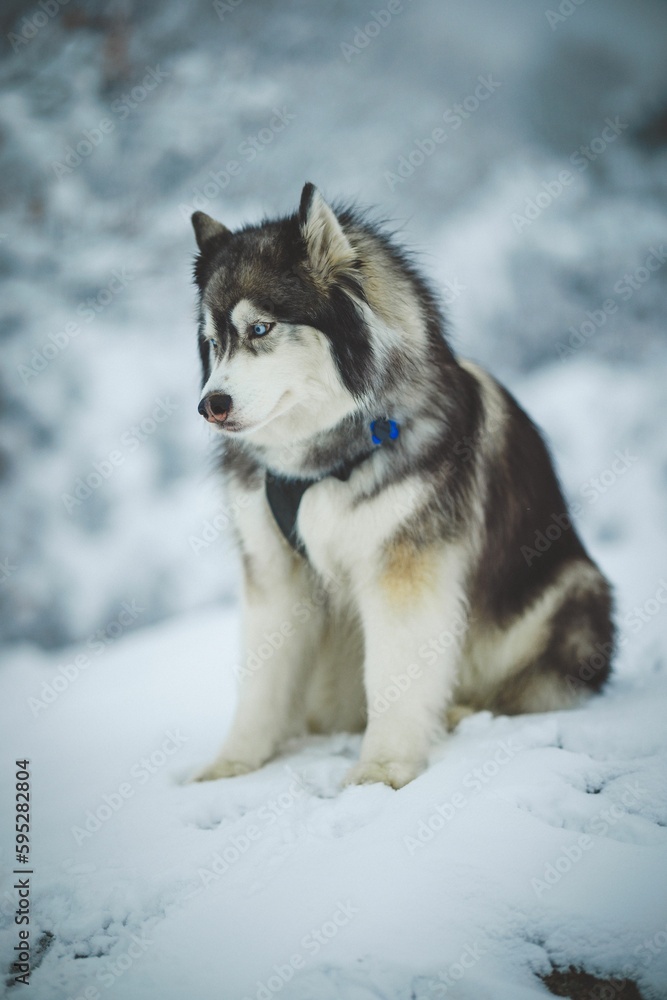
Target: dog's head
[{"x": 282, "y": 335}]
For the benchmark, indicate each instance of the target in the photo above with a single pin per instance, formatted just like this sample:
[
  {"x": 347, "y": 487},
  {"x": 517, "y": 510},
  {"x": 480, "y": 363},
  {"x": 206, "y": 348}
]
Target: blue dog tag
[{"x": 384, "y": 430}]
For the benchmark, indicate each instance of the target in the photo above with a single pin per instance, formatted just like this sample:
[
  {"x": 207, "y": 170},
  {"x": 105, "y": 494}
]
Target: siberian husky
[{"x": 407, "y": 552}]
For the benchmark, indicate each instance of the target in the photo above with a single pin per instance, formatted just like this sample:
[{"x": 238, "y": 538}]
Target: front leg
[
  {"x": 281, "y": 625},
  {"x": 413, "y": 615}
]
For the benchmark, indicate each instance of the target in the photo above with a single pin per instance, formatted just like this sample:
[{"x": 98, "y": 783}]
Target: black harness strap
[{"x": 284, "y": 495}]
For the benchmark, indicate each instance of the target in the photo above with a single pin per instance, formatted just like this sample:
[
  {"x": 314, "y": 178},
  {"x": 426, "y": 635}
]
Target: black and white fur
[{"x": 421, "y": 552}]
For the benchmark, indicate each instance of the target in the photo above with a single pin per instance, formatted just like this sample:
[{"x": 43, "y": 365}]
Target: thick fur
[{"x": 444, "y": 575}]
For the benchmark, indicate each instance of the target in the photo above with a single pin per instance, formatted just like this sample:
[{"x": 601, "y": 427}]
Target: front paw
[
  {"x": 394, "y": 773},
  {"x": 223, "y": 768}
]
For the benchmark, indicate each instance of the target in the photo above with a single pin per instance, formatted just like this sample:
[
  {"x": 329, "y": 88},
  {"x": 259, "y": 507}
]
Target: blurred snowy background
[
  {"x": 521, "y": 148},
  {"x": 118, "y": 118}
]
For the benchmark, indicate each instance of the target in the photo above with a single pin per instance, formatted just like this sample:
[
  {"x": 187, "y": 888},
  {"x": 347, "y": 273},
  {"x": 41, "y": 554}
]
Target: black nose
[{"x": 215, "y": 407}]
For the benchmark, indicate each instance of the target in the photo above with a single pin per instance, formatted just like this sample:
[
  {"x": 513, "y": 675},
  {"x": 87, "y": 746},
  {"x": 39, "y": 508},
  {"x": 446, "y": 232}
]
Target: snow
[
  {"x": 119, "y": 609},
  {"x": 226, "y": 882},
  {"x": 528, "y": 842}
]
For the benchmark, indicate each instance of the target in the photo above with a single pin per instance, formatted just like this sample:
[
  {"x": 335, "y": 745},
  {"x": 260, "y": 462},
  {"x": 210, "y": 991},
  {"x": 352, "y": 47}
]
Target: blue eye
[{"x": 261, "y": 329}]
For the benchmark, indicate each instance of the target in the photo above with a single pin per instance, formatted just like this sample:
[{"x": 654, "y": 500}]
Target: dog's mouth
[{"x": 233, "y": 426}]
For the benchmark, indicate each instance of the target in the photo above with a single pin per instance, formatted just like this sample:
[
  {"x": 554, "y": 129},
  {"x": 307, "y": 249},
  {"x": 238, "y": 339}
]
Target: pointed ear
[
  {"x": 205, "y": 228},
  {"x": 329, "y": 250}
]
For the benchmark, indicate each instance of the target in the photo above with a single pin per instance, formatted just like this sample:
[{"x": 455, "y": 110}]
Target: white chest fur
[{"x": 345, "y": 531}]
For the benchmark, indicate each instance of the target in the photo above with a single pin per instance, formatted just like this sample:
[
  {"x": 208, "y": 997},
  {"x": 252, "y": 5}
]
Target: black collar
[{"x": 284, "y": 495}]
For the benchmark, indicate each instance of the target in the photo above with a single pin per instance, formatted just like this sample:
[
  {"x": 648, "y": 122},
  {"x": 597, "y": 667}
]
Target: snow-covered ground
[
  {"x": 118, "y": 603},
  {"x": 529, "y": 842}
]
